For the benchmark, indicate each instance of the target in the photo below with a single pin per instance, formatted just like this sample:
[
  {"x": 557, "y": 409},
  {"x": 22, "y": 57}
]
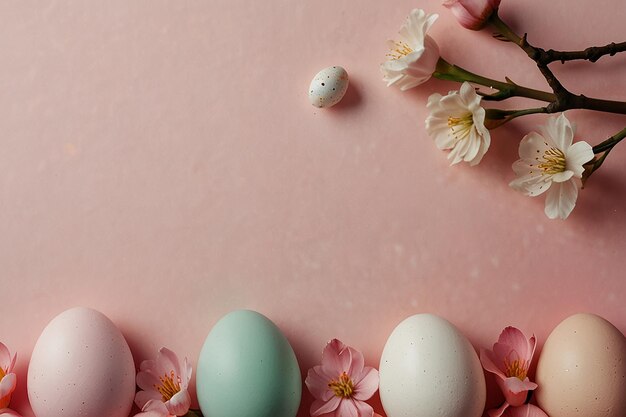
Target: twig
[
  {"x": 447, "y": 71},
  {"x": 591, "y": 54},
  {"x": 603, "y": 148},
  {"x": 565, "y": 100},
  {"x": 610, "y": 142}
]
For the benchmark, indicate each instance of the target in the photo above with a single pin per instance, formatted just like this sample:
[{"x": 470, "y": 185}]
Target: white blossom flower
[
  {"x": 551, "y": 163},
  {"x": 412, "y": 60},
  {"x": 457, "y": 122}
]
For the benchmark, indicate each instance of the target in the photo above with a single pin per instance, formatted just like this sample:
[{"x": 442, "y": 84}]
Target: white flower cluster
[{"x": 549, "y": 161}]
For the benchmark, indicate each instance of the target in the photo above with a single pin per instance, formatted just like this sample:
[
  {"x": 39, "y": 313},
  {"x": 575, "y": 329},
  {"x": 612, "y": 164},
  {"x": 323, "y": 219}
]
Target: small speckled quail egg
[{"x": 328, "y": 87}]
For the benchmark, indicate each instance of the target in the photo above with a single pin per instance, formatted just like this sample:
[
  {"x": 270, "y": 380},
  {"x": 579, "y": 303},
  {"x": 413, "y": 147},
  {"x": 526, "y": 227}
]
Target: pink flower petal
[
  {"x": 367, "y": 385},
  {"x": 331, "y": 363},
  {"x": 148, "y": 365},
  {"x": 363, "y": 409},
  {"x": 143, "y": 397},
  {"x": 497, "y": 412},
  {"x": 7, "y": 385},
  {"x": 357, "y": 363},
  {"x": 186, "y": 374},
  {"x": 489, "y": 362},
  {"x": 179, "y": 403},
  {"x": 317, "y": 383},
  {"x": 516, "y": 391},
  {"x": 12, "y": 364},
  {"x": 5, "y": 357},
  {"x": 515, "y": 385},
  {"x": 146, "y": 380},
  {"x": 516, "y": 341},
  {"x": 167, "y": 361},
  {"x": 471, "y": 14},
  {"x": 320, "y": 407},
  {"x": 345, "y": 357},
  {"x": 532, "y": 344},
  {"x": 154, "y": 409},
  {"x": 347, "y": 408},
  {"x": 151, "y": 413},
  {"x": 527, "y": 410},
  {"x": 5, "y": 412}
]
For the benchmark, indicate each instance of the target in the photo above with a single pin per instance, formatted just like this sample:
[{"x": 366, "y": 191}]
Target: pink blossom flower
[
  {"x": 472, "y": 14},
  {"x": 164, "y": 383},
  {"x": 5, "y": 412},
  {"x": 342, "y": 383},
  {"x": 509, "y": 361},
  {"x": 8, "y": 379}
]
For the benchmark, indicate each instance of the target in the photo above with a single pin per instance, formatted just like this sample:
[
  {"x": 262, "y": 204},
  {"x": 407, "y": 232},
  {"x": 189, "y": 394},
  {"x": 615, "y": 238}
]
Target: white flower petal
[
  {"x": 577, "y": 155},
  {"x": 532, "y": 147},
  {"x": 433, "y": 99},
  {"x": 452, "y": 105},
  {"x": 416, "y": 26},
  {"x": 561, "y": 199},
  {"x": 444, "y": 141},
  {"x": 468, "y": 95},
  {"x": 473, "y": 148},
  {"x": 531, "y": 185},
  {"x": 562, "y": 176},
  {"x": 559, "y": 132}
]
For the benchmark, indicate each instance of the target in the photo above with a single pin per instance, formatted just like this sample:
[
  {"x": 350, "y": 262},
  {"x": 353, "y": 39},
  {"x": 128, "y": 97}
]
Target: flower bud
[{"x": 472, "y": 14}]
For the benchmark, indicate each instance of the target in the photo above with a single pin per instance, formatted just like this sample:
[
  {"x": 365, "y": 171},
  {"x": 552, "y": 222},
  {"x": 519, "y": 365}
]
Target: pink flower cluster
[
  {"x": 509, "y": 361},
  {"x": 163, "y": 383},
  {"x": 342, "y": 383},
  {"x": 8, "y": 381}
]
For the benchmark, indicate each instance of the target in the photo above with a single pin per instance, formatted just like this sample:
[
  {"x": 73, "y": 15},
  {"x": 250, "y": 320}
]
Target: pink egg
[
  {"x": 582, "y": 369},
  {"x": 81, "y": 367}
]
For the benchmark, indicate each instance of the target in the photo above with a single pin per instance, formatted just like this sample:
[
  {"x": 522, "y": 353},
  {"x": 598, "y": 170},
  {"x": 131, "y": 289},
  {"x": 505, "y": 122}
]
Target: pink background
[{"x": 160, "y": 162}]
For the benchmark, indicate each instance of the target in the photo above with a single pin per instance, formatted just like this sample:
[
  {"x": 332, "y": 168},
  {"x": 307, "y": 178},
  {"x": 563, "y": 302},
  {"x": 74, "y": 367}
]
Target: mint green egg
[{"x": 247, "y": 368}]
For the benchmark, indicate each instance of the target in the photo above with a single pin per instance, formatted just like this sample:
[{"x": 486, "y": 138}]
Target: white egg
[
  {"x": 429, "y": 369},
  {"x": 328, "y": 87}
]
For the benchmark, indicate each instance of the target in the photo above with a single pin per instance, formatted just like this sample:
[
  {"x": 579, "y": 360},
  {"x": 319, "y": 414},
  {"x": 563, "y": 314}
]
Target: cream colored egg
[
  {"x": 328, "y": 87},
  {"x": 429, "y": 369},
  {"x": 581, "y": 371}
]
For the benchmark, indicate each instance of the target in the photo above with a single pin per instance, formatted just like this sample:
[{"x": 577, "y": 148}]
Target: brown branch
[
  {"x": 565, "y": 100},
  {"x": 591, "y": 54}
]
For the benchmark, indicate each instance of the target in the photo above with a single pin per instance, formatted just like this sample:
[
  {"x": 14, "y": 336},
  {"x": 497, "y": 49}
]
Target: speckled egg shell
[
  {"x": 81, "y": 366},
  {"x": 328, "y": 87},
  {"x": 581, "y": 371},
  {"x": 247, "y": 368},
  {"x": 429, "y": 369}
]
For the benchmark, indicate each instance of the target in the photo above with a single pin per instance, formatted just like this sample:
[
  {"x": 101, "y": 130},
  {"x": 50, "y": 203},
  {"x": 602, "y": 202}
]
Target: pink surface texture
[{"x": 161, "y": 163}]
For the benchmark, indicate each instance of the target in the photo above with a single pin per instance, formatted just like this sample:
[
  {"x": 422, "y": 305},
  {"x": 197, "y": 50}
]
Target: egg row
[{"x": 82, "y": 366}]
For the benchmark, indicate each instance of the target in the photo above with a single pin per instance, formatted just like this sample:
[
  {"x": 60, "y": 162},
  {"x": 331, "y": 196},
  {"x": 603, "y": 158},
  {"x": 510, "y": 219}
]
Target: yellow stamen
[
  {"x": 170, "y": 385},
  {"x": 461, "y": 126},
  {"x": 343, "y": 387},
  {"x": 399, "y": 50},
  {"x": 517, "y": 369},
  {"x": 3, "y": 373},
  {"x": 553, "y": 162}
]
